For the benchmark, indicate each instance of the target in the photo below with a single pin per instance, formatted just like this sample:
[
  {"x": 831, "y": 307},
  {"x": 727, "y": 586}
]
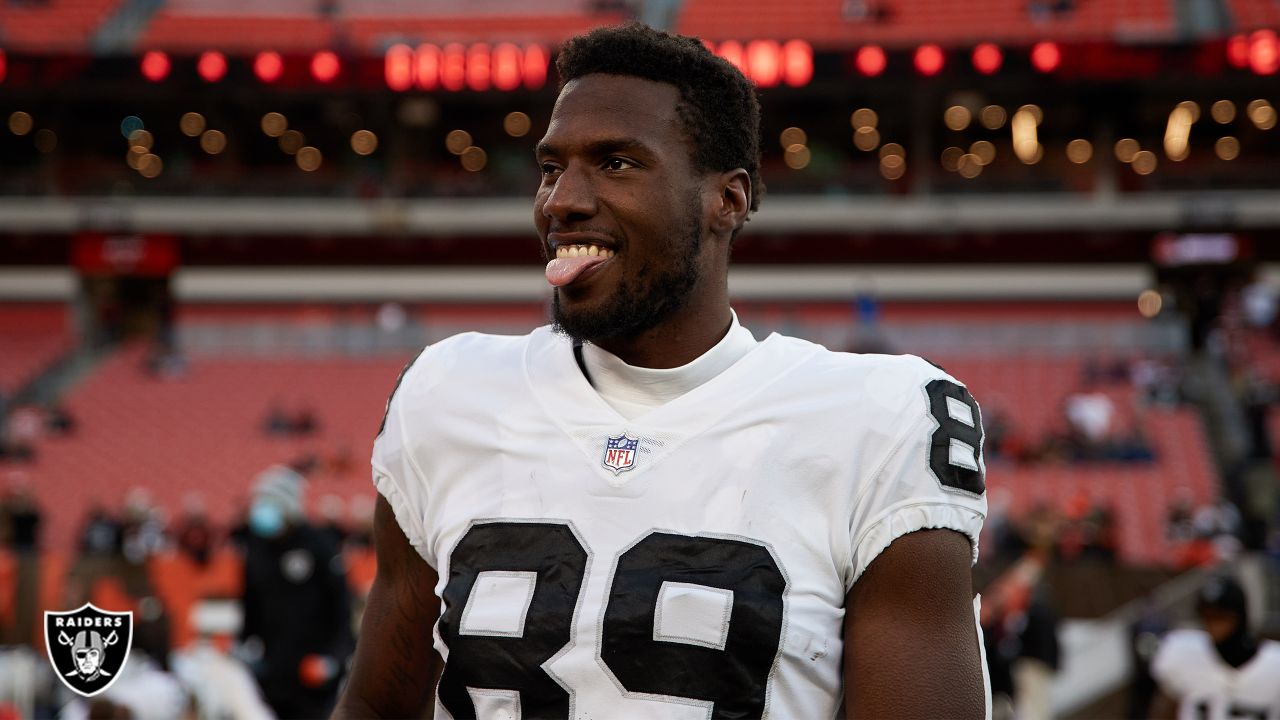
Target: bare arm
[
  {"x": 911, "y": 644},
  {"x": 395, "y": 665}
]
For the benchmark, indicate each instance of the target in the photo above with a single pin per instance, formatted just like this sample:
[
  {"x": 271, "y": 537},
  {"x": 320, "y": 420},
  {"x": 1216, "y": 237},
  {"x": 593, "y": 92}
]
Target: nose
[{"x": 571, "y": 196}]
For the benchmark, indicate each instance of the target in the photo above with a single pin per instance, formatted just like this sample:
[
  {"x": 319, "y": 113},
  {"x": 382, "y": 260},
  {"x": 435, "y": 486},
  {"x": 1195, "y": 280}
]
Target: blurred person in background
[
  {"x": 297, "y": 608},
  {"x": 1222, "y": 671},
  {"x": 142, "y": 529},
  {"x": 1020, "y": 627},
  {"x": 220, "y": 684},
  {"x": 331, "y": 524},
  {"x": 193, "y": 532},
  {"x": 20, "y": 521},
  {"x": 100, "y": 534},
  {"x": 145, "y": 689},
  {"x": 360, "y": 522}
]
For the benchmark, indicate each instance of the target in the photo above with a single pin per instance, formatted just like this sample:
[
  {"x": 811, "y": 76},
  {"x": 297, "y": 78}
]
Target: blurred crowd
[
  {"x": 274, "y": 642},
  {"x": 22, "y": 427},
  {"x": 1094, "y": 424}
]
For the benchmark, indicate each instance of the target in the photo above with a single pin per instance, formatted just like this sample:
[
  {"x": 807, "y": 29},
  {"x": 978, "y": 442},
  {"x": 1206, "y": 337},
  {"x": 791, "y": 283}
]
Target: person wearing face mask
[
  {"x": 297, "y": 607},
  {"x": 1222, "y": 671}
]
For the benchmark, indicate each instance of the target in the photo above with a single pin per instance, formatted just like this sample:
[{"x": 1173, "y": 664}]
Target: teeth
[{"x": 572, "y": 251}]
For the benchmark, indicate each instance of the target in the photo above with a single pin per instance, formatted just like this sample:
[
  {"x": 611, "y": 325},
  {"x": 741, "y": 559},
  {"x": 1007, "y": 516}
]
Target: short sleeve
[
  {"x": 933, "y": 477},
  {"x": 396, "y": 475}
]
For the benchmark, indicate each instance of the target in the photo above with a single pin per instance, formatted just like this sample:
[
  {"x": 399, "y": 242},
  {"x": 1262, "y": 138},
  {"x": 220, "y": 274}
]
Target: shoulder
[
  {"x": 1178, "y": 649},
  {"x": 905, "y": 386},
  {"x": 902, "y": 371},
  {"x": 451, "y": 369},
  {"x": 470, "y": 349},
  {"x": 897, "y": 370},
  {"x": 1185, "y": 640},
  {"x": 1270, "y": 651},
  {"x": 463, "y": 356}
]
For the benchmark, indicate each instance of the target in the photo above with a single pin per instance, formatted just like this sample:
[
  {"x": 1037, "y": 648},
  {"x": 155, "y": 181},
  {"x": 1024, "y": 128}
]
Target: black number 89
[{"x": 734, "y": 678}]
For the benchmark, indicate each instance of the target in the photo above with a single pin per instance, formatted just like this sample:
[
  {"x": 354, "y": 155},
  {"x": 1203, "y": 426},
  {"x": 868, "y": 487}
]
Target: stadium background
[{"x": 226, "y": 225}]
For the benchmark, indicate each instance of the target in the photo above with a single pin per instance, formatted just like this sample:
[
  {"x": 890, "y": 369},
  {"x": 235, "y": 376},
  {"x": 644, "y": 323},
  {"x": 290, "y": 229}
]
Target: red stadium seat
[
  {"x": 55, "y": 25},
  {"x": 31, "y": 336},
  {"x": 907, "y": 22},
  {"x": 1254, "y": 14},
  {"x": 203, "y": 432}
]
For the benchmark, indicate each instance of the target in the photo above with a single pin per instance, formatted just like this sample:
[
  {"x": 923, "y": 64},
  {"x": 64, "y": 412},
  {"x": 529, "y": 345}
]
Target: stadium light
[
  {"x": 453, "y": 67},
  {"x": 797, "y": 63},
  {"x": 764, "y": 62},
  {"x": 268, "y": 66},
  {"x": 1238, "y": 51},
  {"x": 731, "y": 50},
  {"x": 212, "y": 66},
  {"x": 1264, "y": 52},
  {"x": 870, "y": 60},
  {"x": 1046, "y": 56},
  {"x": 505, "y": 67},
  {"x": 987, "y": 58},
  {"x": 930, "y": 60},
  {"x": 425, "y": 67},
  {"x": 397, "y": 67},
  {"x": 535, "y": 67},
  {"x": 155, "y": 65},
  {"x": 325, "y": 66},
  {"x": 478, "y": 67}
]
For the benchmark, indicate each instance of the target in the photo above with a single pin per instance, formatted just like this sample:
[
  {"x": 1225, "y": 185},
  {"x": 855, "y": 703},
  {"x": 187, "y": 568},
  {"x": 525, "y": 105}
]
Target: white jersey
[
  {"x": 1189, "y": 670},
  {"x": 690, "y": 563}
]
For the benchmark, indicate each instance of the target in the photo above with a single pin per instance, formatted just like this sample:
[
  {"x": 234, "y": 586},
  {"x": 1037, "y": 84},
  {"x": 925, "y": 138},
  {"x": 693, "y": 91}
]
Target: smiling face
[{"x": 622, "y": 212}]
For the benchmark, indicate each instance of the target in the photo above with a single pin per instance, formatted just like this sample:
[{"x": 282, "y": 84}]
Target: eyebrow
[{"x": 599, "y": 148}]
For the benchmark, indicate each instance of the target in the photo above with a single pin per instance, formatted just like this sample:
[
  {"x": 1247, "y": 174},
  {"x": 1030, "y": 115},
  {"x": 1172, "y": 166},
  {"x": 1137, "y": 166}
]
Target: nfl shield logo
[
  {"x": 620, "y": 453},
  {"x": 88, "y": 646}
]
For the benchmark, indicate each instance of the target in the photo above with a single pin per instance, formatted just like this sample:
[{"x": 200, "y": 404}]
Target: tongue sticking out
[{"x": 563, "y": 271}]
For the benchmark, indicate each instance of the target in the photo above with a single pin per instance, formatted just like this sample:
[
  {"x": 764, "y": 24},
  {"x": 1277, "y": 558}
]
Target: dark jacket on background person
[{"x": 297, "y": 604}]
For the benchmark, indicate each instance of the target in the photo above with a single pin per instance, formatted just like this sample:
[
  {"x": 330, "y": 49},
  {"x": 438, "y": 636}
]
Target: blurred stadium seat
[
  {"x": 891, "y": 23},
  {"x": 33, "y": 336}
]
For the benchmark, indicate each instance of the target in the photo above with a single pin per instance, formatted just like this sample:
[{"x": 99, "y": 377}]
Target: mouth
[
  {"x": 578, "y": 255},
  {"x": 575, "y": 243},
  {"x": 583, "y": 250}
]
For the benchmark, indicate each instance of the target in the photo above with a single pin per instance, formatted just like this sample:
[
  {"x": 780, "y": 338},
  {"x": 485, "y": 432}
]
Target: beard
[{"x": 644, "y": 301}]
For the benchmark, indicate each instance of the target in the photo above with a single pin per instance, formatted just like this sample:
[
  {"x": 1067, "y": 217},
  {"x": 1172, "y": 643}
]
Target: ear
[{"x": 732, "y": 203}]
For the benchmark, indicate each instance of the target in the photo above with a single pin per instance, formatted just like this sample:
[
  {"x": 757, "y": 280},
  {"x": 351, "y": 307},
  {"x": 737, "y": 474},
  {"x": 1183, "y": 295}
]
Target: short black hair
[{"x": 718, "y": 105}]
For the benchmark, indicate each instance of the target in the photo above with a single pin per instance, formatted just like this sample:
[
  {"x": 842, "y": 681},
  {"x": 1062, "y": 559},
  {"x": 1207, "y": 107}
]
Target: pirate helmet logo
[{"x": 88, "y": 646}]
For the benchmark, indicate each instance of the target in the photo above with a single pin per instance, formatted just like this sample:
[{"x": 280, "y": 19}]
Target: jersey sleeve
[
  {"x": 933, "y": 475},
  {"x": 396, "y": 475}
]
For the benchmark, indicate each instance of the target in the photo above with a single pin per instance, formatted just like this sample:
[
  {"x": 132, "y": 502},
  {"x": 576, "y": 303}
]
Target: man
[
  {"x": 646, "y": 513},
  {"x": 1221, "y": 671},
  {"x": 297, "y": 609}
]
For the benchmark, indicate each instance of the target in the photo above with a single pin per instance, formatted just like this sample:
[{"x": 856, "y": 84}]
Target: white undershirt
[{"x": 634, "y": 391}]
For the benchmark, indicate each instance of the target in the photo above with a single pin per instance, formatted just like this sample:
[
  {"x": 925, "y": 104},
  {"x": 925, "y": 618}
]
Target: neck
[{"x": 678, "y": 341}]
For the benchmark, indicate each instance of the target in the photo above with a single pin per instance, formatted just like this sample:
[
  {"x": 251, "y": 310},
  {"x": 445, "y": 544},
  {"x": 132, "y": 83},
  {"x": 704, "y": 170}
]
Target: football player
[
  {"x": 1222, "y": 671},
  {"x": 644, "y": 511}
]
